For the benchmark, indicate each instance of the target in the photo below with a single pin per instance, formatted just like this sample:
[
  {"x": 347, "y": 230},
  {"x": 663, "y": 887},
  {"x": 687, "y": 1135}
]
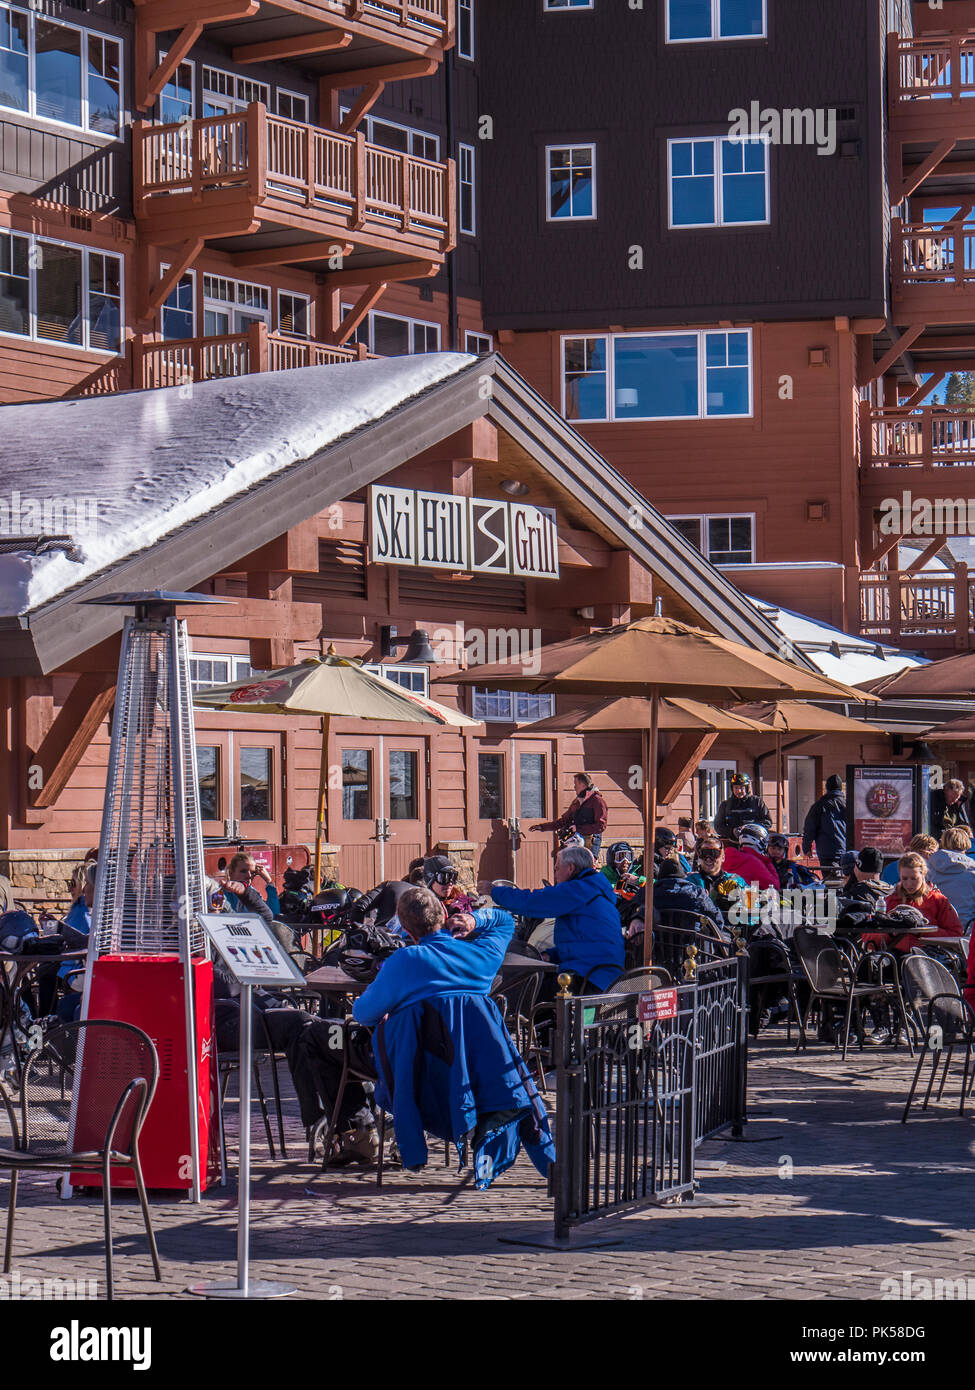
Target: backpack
[{"x": 362, "y": 950}]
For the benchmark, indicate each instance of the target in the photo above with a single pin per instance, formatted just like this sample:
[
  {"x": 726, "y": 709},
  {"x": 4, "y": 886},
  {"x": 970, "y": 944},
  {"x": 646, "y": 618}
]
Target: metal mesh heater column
[{"x": 148, "y": 961}]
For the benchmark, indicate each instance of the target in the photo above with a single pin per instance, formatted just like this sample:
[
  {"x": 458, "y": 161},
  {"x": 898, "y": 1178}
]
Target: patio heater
[{"x": 149, "y": 959}]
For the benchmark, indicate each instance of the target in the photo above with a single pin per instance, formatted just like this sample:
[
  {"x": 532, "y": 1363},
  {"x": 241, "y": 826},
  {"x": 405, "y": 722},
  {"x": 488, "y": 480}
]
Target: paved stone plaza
[{"x": 829, "y": 1196}]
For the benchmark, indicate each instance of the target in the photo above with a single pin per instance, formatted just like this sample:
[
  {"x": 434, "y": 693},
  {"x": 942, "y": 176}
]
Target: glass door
[
  {"x": 405, "y": 786},
  {"x": 489, "y": 799},
  {"x": 531, "y": 799},
  {"x": 257, "y": 786}
]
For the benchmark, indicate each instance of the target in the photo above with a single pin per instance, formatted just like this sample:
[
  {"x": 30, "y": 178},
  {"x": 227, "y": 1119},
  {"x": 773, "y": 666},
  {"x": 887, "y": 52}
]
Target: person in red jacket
[
  {"x": 915, "y": 891},
  {"x": 587, "y": 815},
  {"x": 750, "y": 861}
]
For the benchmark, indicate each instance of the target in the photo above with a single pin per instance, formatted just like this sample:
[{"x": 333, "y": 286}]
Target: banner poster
[{"x": 882, "y": 807}]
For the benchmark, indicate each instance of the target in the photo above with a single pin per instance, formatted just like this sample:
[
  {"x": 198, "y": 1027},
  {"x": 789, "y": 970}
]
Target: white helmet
[{"x": 753, "y": 836}]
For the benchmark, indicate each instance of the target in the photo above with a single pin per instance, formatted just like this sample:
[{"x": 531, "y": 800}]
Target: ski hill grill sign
[{"x": 436, "y": 530}]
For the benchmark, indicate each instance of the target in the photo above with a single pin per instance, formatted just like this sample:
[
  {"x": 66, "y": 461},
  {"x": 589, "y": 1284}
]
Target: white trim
[
  {"x": 163, "y": 267},
  {"x": 705, "y": 518},
  {"x": 717, "y": 178},
  {"x": 462, "y": 182},
  {"x": 715, "y": 36},
  {"x": 467, "y": 7},
  {"x": 470, "y": 333},
  {"x": 583, "y": 217},
  {"x": 554, "y": 7},
  {"x": 296, "y": 294},
  {"x": 187, "y": 63},
  {"x": 700, "y": 333},
  {"x": 32, "y": 15},
  {"x": 369, "y": 320},
  {"x": 34, "y": 239},
  {"x": 368, "y": 125},
  {"x": 280, "y": 92}
]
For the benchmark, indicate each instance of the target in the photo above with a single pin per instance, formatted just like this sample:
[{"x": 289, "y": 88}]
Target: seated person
[
  {"x": 749, "y": 859},
  {"x": 674, "y": 891},
  {"x": 918, "y": 844},
  {"x": 382, "y": 900},
  {"x": 622, "y": 870},
  {"x": 791, "y": 874},
  {"x": 710, "y": 874},
  {"x": 446, "y": 1062},
  {"x": 952, "y": 871},
  {"x": 665, "y": 846},
  {"x": 243, "y": 872},
  {"x": 915, "y": 891},
  {"x": 588, "y": 935}
]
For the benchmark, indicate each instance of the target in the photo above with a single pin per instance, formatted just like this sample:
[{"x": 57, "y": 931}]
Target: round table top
[
  {"x": 330, "y": 979},
  {"x": 906, "y": 930}
]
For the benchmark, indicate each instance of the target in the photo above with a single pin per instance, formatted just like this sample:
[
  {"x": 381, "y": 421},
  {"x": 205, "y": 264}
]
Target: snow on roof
[
  {"x": 117, "y": 473},
  {"x": 853, "y": 660}
]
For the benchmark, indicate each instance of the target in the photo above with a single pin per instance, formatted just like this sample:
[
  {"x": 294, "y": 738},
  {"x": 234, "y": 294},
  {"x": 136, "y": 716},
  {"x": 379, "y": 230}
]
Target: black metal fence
[{"x": 634, "y": 1099}]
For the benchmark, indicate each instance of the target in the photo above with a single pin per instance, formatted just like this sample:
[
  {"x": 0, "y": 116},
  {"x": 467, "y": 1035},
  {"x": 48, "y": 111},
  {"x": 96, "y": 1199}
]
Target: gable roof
[{"x": 185, "y": 480}]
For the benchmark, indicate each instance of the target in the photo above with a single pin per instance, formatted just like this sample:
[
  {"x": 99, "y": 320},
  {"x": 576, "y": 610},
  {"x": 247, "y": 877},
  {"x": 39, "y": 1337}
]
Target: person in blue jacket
[{"x": 588, "y": 938}]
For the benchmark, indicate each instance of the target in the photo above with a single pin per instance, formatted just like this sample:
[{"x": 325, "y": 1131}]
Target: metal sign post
[{"x": 253, "y": 955}]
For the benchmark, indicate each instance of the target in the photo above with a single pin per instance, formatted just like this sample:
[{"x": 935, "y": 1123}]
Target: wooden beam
[
  {"x": 909, "y": 336},
  {"x": 323, "y": 41},
  {"x": 930, "y": 385},
  {"x": 406, "y": 270},
  {"x": 76, "y": 724},
  {"x": 149, "y": 84},
  {"x": 916, "y": 176},
  {"x": 680, "y": 763},
  {"x": 884, "y": 546},
  {"x": 157, "y": 295},
  {"x": 366, "y": 100},
  {"x": 305, "y": 251},
  {"x": 335, "y": 82},
  {"x": 928, "y": 553},
  {"x": 369, "y": 296}
]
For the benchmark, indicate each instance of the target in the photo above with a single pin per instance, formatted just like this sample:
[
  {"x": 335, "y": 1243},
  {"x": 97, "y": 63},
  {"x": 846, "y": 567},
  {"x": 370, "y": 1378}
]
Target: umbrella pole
[
  {"x": 322, "y": 795},
  {"x": 649, "y": 816},
  {"x": 778, "y": 781}
]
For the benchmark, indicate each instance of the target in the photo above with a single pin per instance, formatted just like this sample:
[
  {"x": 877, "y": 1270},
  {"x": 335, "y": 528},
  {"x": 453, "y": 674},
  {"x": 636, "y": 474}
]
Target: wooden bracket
[
  {"x": 679, "y": 765},
  {"x": 151, "y": 20},
  {"x": 923, "y": 171},
  {"x": 373, "y": 80},
  {"x": 76, "y": 724},
  {"x": 369, "y": 296},
  {"x": 297, "y": 46},
  {"x": 906, "y": 339},
  {"x": 153, "y": 296}
]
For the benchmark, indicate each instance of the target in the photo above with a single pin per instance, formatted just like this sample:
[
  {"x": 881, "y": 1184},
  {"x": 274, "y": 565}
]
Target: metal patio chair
[
  {"x": 228, "y": 1062},
  {"x": 113, "y": 1069},
  {"x": 833, "y": 975},
  {"x": 945, "y": 1021}
]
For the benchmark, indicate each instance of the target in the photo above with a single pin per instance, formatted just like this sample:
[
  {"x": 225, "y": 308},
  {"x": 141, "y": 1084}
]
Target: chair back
[
  {"x": 922, "y": 979},
  {"x": 674, "y": 930},
  {"x": 823, "y": 964},
  {"x": 114, "y": 1068},
  {"x": 515, "y": 996},
  {"x": 642, "y": 980}
]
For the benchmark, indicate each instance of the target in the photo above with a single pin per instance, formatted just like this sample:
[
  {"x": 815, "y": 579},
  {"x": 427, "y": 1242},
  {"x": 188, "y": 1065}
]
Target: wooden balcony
[
  {"x": 927, "y": 612},
  {"x": 933, "y": 273},
  {"x": 931, "y": 437},
  {"x": 932, "y": 86},
  {"x": 274, "y": 191}
]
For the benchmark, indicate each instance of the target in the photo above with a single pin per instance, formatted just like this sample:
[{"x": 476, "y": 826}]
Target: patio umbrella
[
  {"x": 332, "y": 687},
  {"x": 955, "y": 731},
  {"x": 803, "y": 722},
  {"x": 951, "y": 678},
  {"x": 653, "y": 657},
  {"x": 635, "y": 711}
]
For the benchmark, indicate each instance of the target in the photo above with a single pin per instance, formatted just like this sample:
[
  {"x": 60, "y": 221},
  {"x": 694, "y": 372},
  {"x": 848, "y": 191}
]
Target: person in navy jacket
[{"x": 588, "y": 930}]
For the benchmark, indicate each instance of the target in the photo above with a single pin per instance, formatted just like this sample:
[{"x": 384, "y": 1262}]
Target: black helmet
[
  {"x": 438, "y": 869},
  {"x": 662, "y": 836},
  {"x": 740, "y": 779},
  {"x": 620, "y": 849},
  {"x": 778, "y": 840}
]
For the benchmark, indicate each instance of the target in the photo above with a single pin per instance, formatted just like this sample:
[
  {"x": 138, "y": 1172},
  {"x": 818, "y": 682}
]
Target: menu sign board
[
  {"x": 436, "y": 530},
  {"x": 881, "y": 801},
  {"x": 249, "y": 949}
]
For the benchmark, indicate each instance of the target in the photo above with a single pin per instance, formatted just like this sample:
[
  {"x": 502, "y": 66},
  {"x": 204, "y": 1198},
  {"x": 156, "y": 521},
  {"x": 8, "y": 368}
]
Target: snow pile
[
  {"x": 858, "y": 660},
  {"x": 117, "y": 473}
]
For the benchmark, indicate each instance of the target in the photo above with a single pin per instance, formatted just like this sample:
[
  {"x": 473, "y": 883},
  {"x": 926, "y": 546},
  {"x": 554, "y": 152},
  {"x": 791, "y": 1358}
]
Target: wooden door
[
  {"x": 354, "y": 811},
  {"x": 258, "y": 787},
  {"x": 489, "y": 810},
  {"x": 531, "y": 800},
  {"x": 405, "y": 793}
]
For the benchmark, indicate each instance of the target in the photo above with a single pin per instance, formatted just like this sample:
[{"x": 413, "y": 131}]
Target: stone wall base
[
  {"x": 43, "y": 870},
  {"x": 461, "y": 854}
]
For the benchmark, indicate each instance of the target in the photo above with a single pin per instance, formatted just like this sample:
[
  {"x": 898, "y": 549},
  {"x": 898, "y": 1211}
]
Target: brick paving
[{"x": 829, "y": 1195}]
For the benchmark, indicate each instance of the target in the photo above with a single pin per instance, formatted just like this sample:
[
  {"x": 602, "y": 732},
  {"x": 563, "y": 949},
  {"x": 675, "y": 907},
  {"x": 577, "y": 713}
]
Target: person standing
[
  {"x": 741, "y": 808},
  {"x": 587, "y": 815},
  {"x": 825, "y": 825},
  {"x": 950, "y": 807}
]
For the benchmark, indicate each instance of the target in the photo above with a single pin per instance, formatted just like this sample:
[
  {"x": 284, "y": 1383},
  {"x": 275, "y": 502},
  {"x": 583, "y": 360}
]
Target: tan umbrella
[
  {"x": 654, "y": 657},
  {"x": 333, "y": 687},
  {"x": 797, "y": 718},
  {"x": 955, "y": 731},
  {"x": 635, "y": 712}
]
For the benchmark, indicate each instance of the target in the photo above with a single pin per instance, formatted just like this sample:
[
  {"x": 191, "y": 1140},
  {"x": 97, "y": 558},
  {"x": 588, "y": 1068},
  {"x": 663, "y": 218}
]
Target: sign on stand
[{"x": 254, "y": 956}]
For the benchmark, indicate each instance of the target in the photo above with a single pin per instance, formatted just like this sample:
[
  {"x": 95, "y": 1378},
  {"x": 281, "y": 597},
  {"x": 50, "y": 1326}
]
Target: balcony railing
[
  {"x": 294, "y": 174},
  {"x": 918, "y": 609},
  {"x": 930, "y": 437},
  {"x": 178, "y": 361},
  {"x": 933, "y": 70},
  {"x": 933, "y": 272}
]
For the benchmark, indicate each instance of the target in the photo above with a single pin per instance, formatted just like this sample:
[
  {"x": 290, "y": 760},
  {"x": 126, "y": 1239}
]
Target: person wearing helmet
[
  {"x": 622, "y": 870},
  {"x": 825, "y": 825},
  {"x": 665, "y": 846},
  {"x": 722, "y": 888},
  {"x": 741, "y": 808},
  {"x": 791, "y": 874},
  {"x": 750, "y": 859}
]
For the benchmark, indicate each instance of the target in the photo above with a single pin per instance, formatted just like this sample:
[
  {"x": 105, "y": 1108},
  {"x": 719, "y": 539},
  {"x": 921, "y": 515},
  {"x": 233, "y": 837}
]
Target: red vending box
[{"x": 148, "y": 991}]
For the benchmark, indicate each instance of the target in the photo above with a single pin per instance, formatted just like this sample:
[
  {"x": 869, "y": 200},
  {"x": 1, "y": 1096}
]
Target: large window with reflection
[
  {"x": 657, "y": 376},
  {"x": 59, "y": 72}
]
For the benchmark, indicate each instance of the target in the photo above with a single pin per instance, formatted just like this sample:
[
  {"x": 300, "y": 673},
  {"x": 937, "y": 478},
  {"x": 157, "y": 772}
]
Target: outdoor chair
[
  {"x": 833, "y": 976},
  {"x": 945, "y": 1021},
  {"x": 788, "y": 974},
  {"x": 113, "y": 1068},
  {"x": 675, "y": 931},
  {"x": 516, "y": 996},
  {"x": 227, "y": 1013}
]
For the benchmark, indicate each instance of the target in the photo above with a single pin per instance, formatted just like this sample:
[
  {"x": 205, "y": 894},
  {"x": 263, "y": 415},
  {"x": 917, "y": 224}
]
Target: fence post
[
  {"x": 741, "y": 1088},
  {"x": 562, "y": 1179}
]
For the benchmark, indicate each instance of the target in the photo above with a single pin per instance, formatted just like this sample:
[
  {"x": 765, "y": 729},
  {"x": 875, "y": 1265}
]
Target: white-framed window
[
  {"x": 725, "y": 540},
  {"x": 719, "y": 181},
  {"x": 178, "y": 313},
  {"x": 224, "y": 92},
  {"x": 415, "y": 679},
  {"x": 390, "y": 335},
  {"x": 465, "y": 29},
  {"x": 176, "y": 98},
  {"x": 293, "y": 106},
  {"x": 693, "y": 375},
  {"x": 479, "y": 344},
  {"x": 294, "y": 314},
  {"x": 55, "y": 292},
  {"x": 713, "y": 785},
  {"x": 466, "y": 196},
  {"x": 570, "y": 183},
  {"x": 59, "y": 72},
  {"x": 231, "y": 306},
  {"x": 217, "y": 668},
  {"x": 511, "y": 706},
  {"x": 392, "y": 136},
  {"x": 567, "y": 5},
  {"x": 703, "y": 21}
]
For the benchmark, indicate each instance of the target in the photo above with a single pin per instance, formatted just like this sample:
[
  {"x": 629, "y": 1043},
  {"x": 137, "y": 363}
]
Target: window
[
  {"x": 388, "y": 335},
  {"x": 490, "y": 786},
  {"x": 54, "y": 292},
  {"x": 465, "y": 29},
  {"x": 292, "y": 105},
  {"x": 466, "y": 206},
  {"x": 178, "y": 318},
  {"x": 690, "y": 20},
  {"x": 531, "y": 777},
  {"x": 231, "y": 306},
  {"x": 657, "y": 376},
  {"x": 713, "y": 786},
  {"x": 210, "y": 670},
  {"x": 294, "y": 314},
  {"x": 725, "y": 540},
  {"x": 568, "y": 5},
  {"x": 480, "y": 344},
  {"x": 356, "y": 784},
  {"x": 415, "y": 679},
  {"x": 58, "y": 72},
  {"x": 403, "y": 792},
  {"x": 398, "y": 137},
  {"x": 208, "y": 781},
  {"x": 571, "y": 182},
  {"x": 511, "y": 706},
  {"x": 720, "y": 182},
  {"x": 225, "y": 92},
  {"x": 176, "y": 98},
  {"x": 255, "y": 783}
]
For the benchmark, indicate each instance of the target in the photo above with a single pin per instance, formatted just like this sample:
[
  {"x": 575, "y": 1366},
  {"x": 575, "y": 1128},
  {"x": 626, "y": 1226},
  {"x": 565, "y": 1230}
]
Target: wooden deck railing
[
  {"x": 912, "y": 607},
  {"x": 930, "y": 437},
  {"x": 291, "y": 169},
  {"x": 924, "y": 71},
  {"x": 178, "y": 362},
  {"x": 927, "y": 255}
]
